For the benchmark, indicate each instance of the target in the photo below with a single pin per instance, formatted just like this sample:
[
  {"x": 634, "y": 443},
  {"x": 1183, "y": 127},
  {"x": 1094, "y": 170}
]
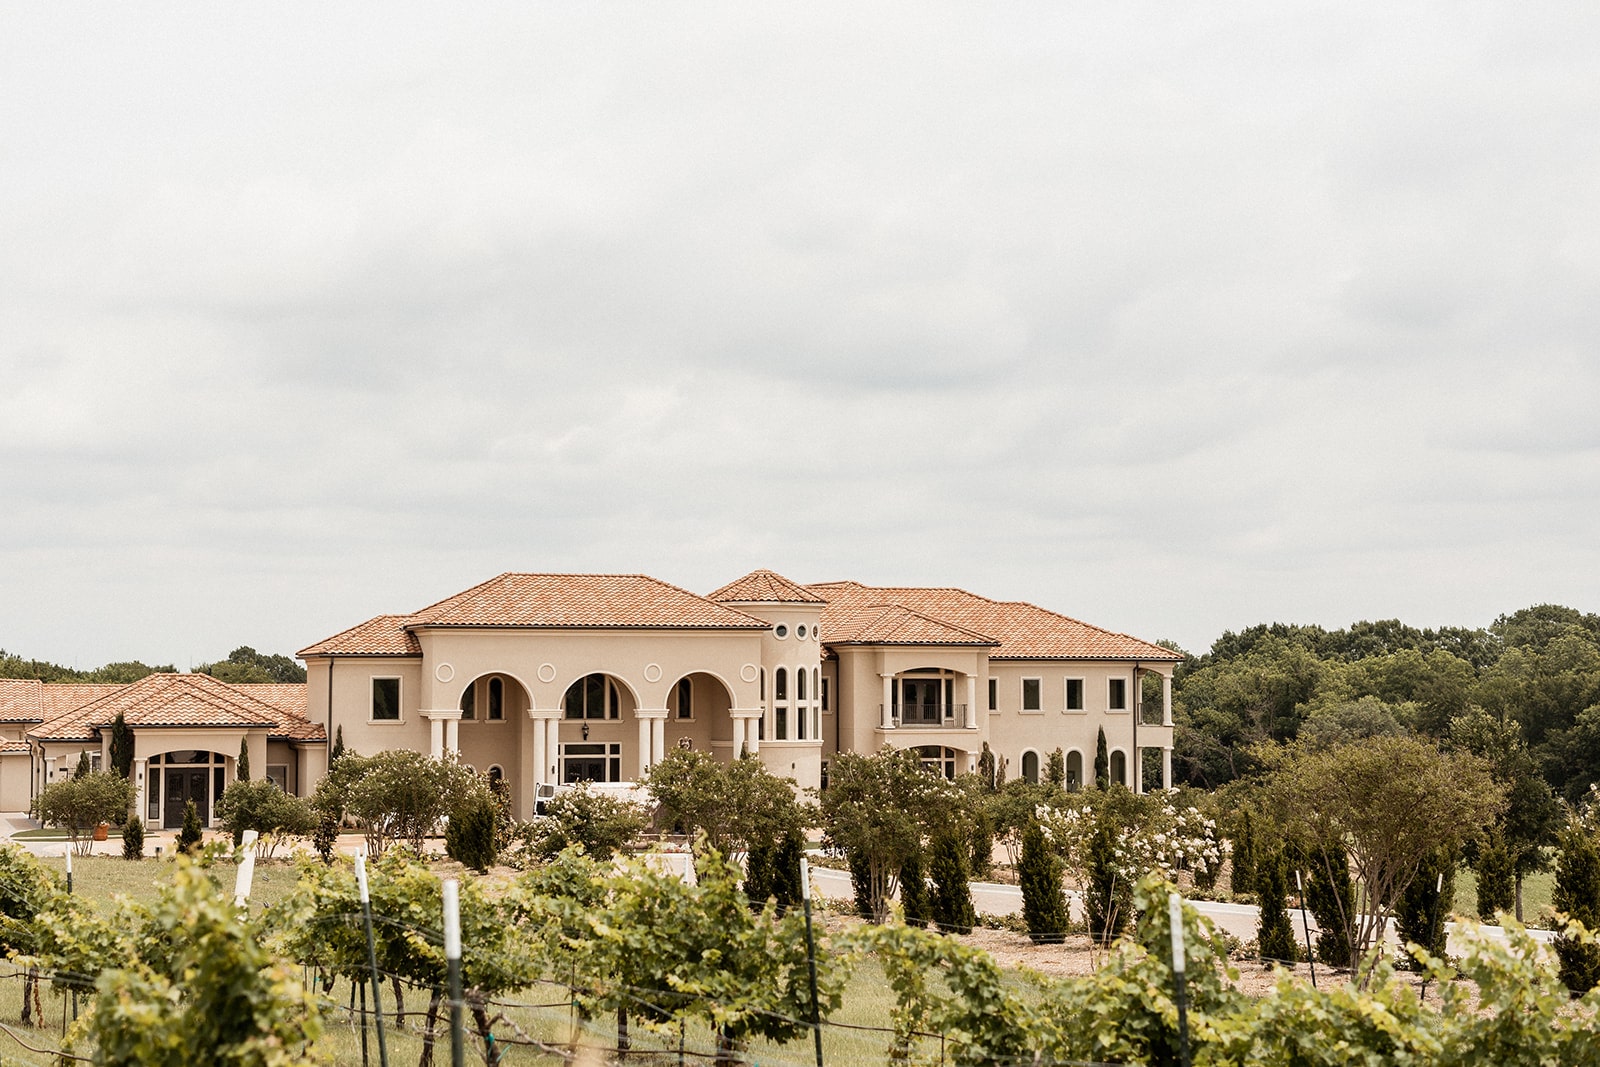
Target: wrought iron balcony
[{"x": 929, "y": 716}]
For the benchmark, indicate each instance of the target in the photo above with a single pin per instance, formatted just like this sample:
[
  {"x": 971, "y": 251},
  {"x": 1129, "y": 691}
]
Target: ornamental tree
[
  {"x": 79, "y": 804},
  {"x": 879, "y": 807}
]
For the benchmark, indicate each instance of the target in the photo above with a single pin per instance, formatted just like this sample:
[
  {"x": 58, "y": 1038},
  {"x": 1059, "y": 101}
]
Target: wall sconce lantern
[{"x": 586, "y": 731}]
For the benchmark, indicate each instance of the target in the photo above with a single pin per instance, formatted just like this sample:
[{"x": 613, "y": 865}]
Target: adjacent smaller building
[{"x": 187, "y": 733}]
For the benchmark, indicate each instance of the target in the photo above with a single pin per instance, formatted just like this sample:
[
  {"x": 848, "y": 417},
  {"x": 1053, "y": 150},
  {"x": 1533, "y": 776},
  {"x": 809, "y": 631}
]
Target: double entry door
[{"x": 182, "y": 786}]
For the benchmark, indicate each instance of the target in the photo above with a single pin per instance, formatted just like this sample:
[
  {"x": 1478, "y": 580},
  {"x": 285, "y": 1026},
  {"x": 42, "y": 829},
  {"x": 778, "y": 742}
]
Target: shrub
[
  {"x": 395, "y": 795},
  {"x": 469, "y": 836},
  {"x": 1055, "y": 772},
  {"x": 79, "y": 804},
  {"x": 1496, "y": 878},
  {"x": 189, "y": 836},
  {"x": 951, "y": 903},
  {"x": 133, "y": 838},
  {"x": 914, "y": 891},
  {"x": 1331, "y": 898},
  {"x": 325, "y": 838},
  {"x": 1243, "y": 876},
  {"x": 1421, "y": 912},
  {"x": 786, "y": 887},
  {"x": 1044, "y": 905},
  {"x": 1577, "y": 894},
  {"x": 1106, "y": 899},
  {"x": 599, "y": 823},
  {"x": 265, "y": 808},
  {"x": 1275, "y": 934}
]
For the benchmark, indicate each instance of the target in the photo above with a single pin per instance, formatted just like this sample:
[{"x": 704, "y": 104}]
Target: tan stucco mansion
[
  {"x": 546, "y": 679},
  {"x": 557, "y": 678}
]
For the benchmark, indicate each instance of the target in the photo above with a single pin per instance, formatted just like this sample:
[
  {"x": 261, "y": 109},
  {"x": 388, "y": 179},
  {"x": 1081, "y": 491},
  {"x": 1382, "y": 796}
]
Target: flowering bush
[{"x": 1149, "y": 833}]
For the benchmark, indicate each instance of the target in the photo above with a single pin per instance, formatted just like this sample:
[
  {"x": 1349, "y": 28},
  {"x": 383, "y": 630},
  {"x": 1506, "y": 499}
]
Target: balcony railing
[
  {"x": 1150, "y": 714},
  {"x": 929, "y": 716}
]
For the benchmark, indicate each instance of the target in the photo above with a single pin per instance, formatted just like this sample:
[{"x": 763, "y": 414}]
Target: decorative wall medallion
[
  {"x": 748, "y": 672},
  {"x": 547, "y": 672},
  {"x": 652, "y": 672},
  {"x": 444, "y": 672}
]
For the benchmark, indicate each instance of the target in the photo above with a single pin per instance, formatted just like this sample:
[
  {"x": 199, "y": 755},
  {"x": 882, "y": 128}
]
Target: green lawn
[{"x": 1536, "y": 890}]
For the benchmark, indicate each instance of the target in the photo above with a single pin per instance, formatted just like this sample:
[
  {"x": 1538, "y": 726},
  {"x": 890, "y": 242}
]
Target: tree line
[{"x": 244, "y": 665}]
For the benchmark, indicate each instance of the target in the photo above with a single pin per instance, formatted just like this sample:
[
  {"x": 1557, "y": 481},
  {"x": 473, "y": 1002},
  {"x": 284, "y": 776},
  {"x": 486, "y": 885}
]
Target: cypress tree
[
  {"x": 1332, "y": 901},
  {"x": 986, "y": 766},
  {"x": 1496, "y": 878},
  {"x": 1044, "y": 904},
  {"x": 861, "y": 882},
  {"x": 786, "y": 887},
  {"x": 982, "y": 843},
  {"x": 1577, "y": 893},
  {"x": 469, "y": 836},
  {"x": 1243, "y": 878},
  {"x": 133, "y": 838},
  {"x": 1056, "y": 770},
  {"x": 1102, "y": 762},
  {"x": 999, "y": 773},
  {"x": 758, "y": 868},
  {"x": 121, "y": 747},
  {"x": 1106, "y": 901},
  {"x": 951, "y": 904},
  {"x": 243, "y": 767},
  {"x": 338, "y": 745},
  {"x": 914, "y": 892},
  {"x": 189, "y": 836},
  {"x": 1421, "y": 911},
  {"x": 83, "y": 765},
  {"x": 1275, "y": 934}
]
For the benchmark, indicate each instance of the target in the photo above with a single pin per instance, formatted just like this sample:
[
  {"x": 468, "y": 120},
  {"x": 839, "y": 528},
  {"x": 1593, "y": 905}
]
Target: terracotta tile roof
[
  {"x": 1021, "y": 630},
  {"x": 583, "y": 600},
  {"x": 765, "y": 587},
  {"x": 163, "y": 700},
  {"x": 893, "y": 624},
  {"x": 385, "y": 635},
  {"x": 20, "y": 700},
  {"x": 288, "y": 701},
  {"x": 13, "y": 748},
  {"x": 557, "y": 601}
]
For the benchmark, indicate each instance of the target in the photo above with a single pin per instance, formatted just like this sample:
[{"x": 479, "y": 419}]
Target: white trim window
[
  {"x": 1032, "y": 696},
  {"x": 386, "y": 696},
  {"x": 1072, "y": 695},
  {"x": 1030, "y": 766},
  {"x": 1116, "y": 694}
]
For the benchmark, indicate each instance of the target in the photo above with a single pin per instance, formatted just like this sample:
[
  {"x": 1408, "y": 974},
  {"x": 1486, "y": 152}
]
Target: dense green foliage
[
  {"x": 245, "y": 665},
  {"x": 1044, "y": 903},
  {"x": 581, "y": 817},
  {"x": 1274, "y": 932},
  {"x": 1496, "y": 878},
  {"x": 396, "y": 795},
  {"x": 469, "y": 837},
  {"x": 264, "y": 807},
  {"x": 14, "y": 666},
  {"x": 79, "y": 804},
  {"x": 121, "y": 747},
  {"x": 915, "y": 909},
  {"x": 1577, "y": 895},
  {"x": 950, "y": 902}
]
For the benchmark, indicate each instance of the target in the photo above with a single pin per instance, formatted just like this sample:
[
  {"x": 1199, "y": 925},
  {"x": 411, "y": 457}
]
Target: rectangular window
[
  {"x": 1117, "y": 694},
  {"x": 386, "y": 700},
  {"x": 994, "y": 694},
  {"x": 278, "y": 773},
  {"x": 825, "y": 705},
  {"x": 802, "y": 715},
  {"x": 780, "y": 726},
  {"x": 1074, "y": 694},
  {"x": 1031, "y": 694}
]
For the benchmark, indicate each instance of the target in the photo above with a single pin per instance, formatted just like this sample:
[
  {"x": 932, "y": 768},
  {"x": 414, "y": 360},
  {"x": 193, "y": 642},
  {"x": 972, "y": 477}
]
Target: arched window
[
  {"x": 1030, "y": 766},
  {"x": 800, "y": 685},
  {"x": 685, "y": 699},
  {"x": 1074, "y": 770},
  {"x": 937, "y": 760},
  {"x": 497, "y": 699},
  {"x": 593, "y": 696},
  {"x": 780, "y": 697},
  {"x": 1119, "y": 767},
  {"x": 496, "y": 775},
  {"x": 469, "y": 701}
]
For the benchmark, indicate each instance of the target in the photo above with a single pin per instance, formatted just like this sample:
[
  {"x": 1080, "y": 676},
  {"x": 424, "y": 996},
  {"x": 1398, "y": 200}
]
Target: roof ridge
[
  {"x": 352, "y": 629},
  {"x": 1090, "y": 625}
]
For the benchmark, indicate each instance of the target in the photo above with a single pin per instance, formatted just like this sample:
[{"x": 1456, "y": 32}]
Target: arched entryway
[
  {"x": 1074, "y": 770},
  {"x": 180, "y": 777},
  {"x": 594, "y": 712},
  {"x": 698, "y": 716},
  {"x": 1119, "y": 767}
]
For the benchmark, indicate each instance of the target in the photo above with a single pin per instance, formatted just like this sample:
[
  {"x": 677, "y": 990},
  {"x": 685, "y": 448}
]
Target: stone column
[
  {"x": 435, "y": 737},
  {"x": 141, "y": 775},
  {"x": 1166, "y": 768},
  {"x": 658, "y": 739},
  {"x": 541, "y": 758},
  {"x": 644, "y": 742},
  {"x": 1166, "y": 707},
  {"x": 553, "y": 749},
  {"x": 886, "y": 716},
  {"x": 452, "y": 736},
  {"x": 972, "y": 702},
  {"x": 752, "y": 733}
]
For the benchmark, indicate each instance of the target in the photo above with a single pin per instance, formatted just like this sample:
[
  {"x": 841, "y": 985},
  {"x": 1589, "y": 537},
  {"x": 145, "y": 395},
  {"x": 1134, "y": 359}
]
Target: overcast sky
[{"x": 1173, "y": 318}]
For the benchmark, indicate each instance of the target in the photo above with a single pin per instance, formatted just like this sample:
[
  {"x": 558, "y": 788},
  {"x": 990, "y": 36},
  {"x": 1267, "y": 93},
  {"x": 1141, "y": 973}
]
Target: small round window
[
  {"x": 816, "y": 633},
  {"x": 800, "y": 631},
  {"x": 781, "y": 630}
]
